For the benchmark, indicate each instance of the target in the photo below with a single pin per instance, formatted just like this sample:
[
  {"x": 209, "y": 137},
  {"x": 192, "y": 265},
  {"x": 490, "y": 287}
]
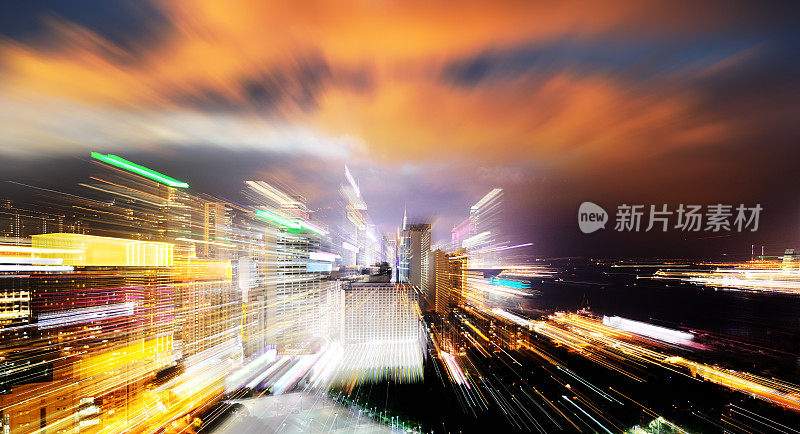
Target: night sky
[{"x": 431, "y": 104}]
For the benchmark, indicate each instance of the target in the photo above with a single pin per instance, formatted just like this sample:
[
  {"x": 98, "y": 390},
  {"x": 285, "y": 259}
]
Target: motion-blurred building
[
  {"x": 450, "y": 280},
  {"x": 360, "y": 245},
  {"x": 296, "y": 273},
  {"x": 416, "y": 257},
  {"x": 458, "y": 234},
  {"x": 389, "y": 249},
  {"x": 382, "y": 334},
  {"x": 126, "y": 307},
  {"x": 486, "y": 231}
]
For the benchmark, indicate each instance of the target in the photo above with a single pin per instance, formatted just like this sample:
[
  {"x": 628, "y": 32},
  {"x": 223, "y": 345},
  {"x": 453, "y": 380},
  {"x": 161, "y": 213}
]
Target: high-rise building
[
  {"x": 360, "y": 243},
  {"x": 403, "y": 252},
  {"x": 295, "y": 279},
  {"x": 417, "y": 252},
  {"x": 450, "y": 280},
  {"x": 458, "y": 234},
  {"x": 383, "y": 335},
  {"x": 442, "y": 283},
  {"x": 487, "y": 234},
  {"x": 103, "y": 319},
  {"x": 145, "y": 294},
  {"x": 389, "y": 249}
]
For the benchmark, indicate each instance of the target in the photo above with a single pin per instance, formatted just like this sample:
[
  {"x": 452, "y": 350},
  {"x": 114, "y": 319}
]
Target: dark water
[{"x": 765, "y": 324}]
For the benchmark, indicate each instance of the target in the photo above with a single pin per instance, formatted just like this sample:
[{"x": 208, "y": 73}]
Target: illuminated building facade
[
  {"x": 450, "y": 279},
  {"x": 486, "y": 233},
  {"x": 296, "y": 273},
  {"x": 389, "y": 250},
  {"x": 126, "y": 307},
  {"x": 403, "y": 254},
  {"x": 383, "y": 335},
  {"x": 360, "y": 244},
  {"x": 98, "y": 333},
  {"x": 458, "y": 234},
  {"x": 417, "y": 256}
]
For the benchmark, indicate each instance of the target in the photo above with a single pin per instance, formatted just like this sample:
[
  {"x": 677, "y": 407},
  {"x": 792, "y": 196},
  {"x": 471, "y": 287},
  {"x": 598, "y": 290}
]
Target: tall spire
[{"x": 404, "y": 217}]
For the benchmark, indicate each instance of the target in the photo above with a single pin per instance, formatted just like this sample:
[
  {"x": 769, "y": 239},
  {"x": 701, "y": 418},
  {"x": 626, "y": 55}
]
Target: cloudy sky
[{"x": 430, "y": 103}]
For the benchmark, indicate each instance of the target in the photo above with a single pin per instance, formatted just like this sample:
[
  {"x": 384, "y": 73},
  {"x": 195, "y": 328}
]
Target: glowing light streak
[
  {"x": 214, "y": 243},
  {"x": 239, "y": 378},
  {"x": 454, "y": 370},
  {"x": 107, "y": 251},
  {"x": 352, "y": 181},
  {"x": 511, "y": 317},
  {"x": 77, "y": 316},
  {"x": 23, "y": 260},
  {"x": 649, "y": 330},
  {"x": 313, "y": 267},
  {"x": 139, "y": 170},
  {"x": 313, "y": 228},
  {"x": 277, "y": 218},
  {"x": 26, "y": 249},
  {"x": 350, "y": 247},
  {"x": 41, "y": 268},
  {"x": 294, "y": 374},
  {"x": 500, "y": 249},
  {"x": 268, "y": 372},
  {"x": 509, "y": 283},
  {"x": 476, "y": 239},
  {"x": 475, "y": 329},
  {"x": 323, "y": 256},
  {"x": 272, "y": 193},
  {"x": 489, "y": 196}
]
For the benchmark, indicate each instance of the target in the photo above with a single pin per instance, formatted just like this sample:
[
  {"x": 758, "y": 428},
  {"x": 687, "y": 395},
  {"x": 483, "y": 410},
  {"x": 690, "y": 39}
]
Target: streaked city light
[
  {"x": 404, "y": 217},
  {"x": 140, "y": 170}
]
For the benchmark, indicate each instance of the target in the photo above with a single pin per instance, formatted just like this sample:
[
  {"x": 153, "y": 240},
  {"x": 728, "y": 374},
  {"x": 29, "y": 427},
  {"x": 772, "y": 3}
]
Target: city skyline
[
  {"x": 401, "y": 217},
  {"x": 565, "y": 99}
]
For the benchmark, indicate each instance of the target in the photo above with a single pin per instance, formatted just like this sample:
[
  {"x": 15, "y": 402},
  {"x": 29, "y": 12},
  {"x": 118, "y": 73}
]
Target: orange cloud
[
  {"x": 562, "y": 120},
  {"x": 214, "y": 47}
]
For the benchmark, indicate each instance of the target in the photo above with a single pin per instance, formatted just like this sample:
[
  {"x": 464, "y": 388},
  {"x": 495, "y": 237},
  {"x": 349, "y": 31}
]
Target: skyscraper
[
  {"x": 459, "y": 233},
  {"x": 295, "y": 285},
  {"x": 450, "y": 279},
  {"x": 417, "y": 251},
  {"x": 382, "y": 334},
  {"x": 360, "y": 244},
  {"x": 486, "y": 231}
]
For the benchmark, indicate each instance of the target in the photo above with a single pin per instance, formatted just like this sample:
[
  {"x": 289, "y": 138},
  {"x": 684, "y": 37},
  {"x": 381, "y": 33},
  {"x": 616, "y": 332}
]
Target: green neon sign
[
  {"x": 139, "y": 170},
  {"x": 275, "y": 218},
  {"x": 293, "y": 226},
  {"x": 313, "y": 228}
]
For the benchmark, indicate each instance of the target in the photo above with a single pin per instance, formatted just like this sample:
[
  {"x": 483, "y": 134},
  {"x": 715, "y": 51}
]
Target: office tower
[
  {"x": 370, "y": 252},
  {"x": 382, "y": 335},
  {"x": 417, "y": 249},
  {"x": 360, "y": 241},
  {"x": 403, "y": 254},
  {"x": 249, "y": 269},
  {"x": 442, "y": 283},
  {"x": 202, "y": 232},
  {"x": 459, "y": 233},
  {"x": 486, "y": 231},
  {"x": 105, "y": 323},
  {"x": 121, "y": 288},
  {"x": 295, "y": 283},
  {"x": 450, "y": 279},
  {"x": 389, "y": 249},
  {"x": 294, "y": 291}
]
